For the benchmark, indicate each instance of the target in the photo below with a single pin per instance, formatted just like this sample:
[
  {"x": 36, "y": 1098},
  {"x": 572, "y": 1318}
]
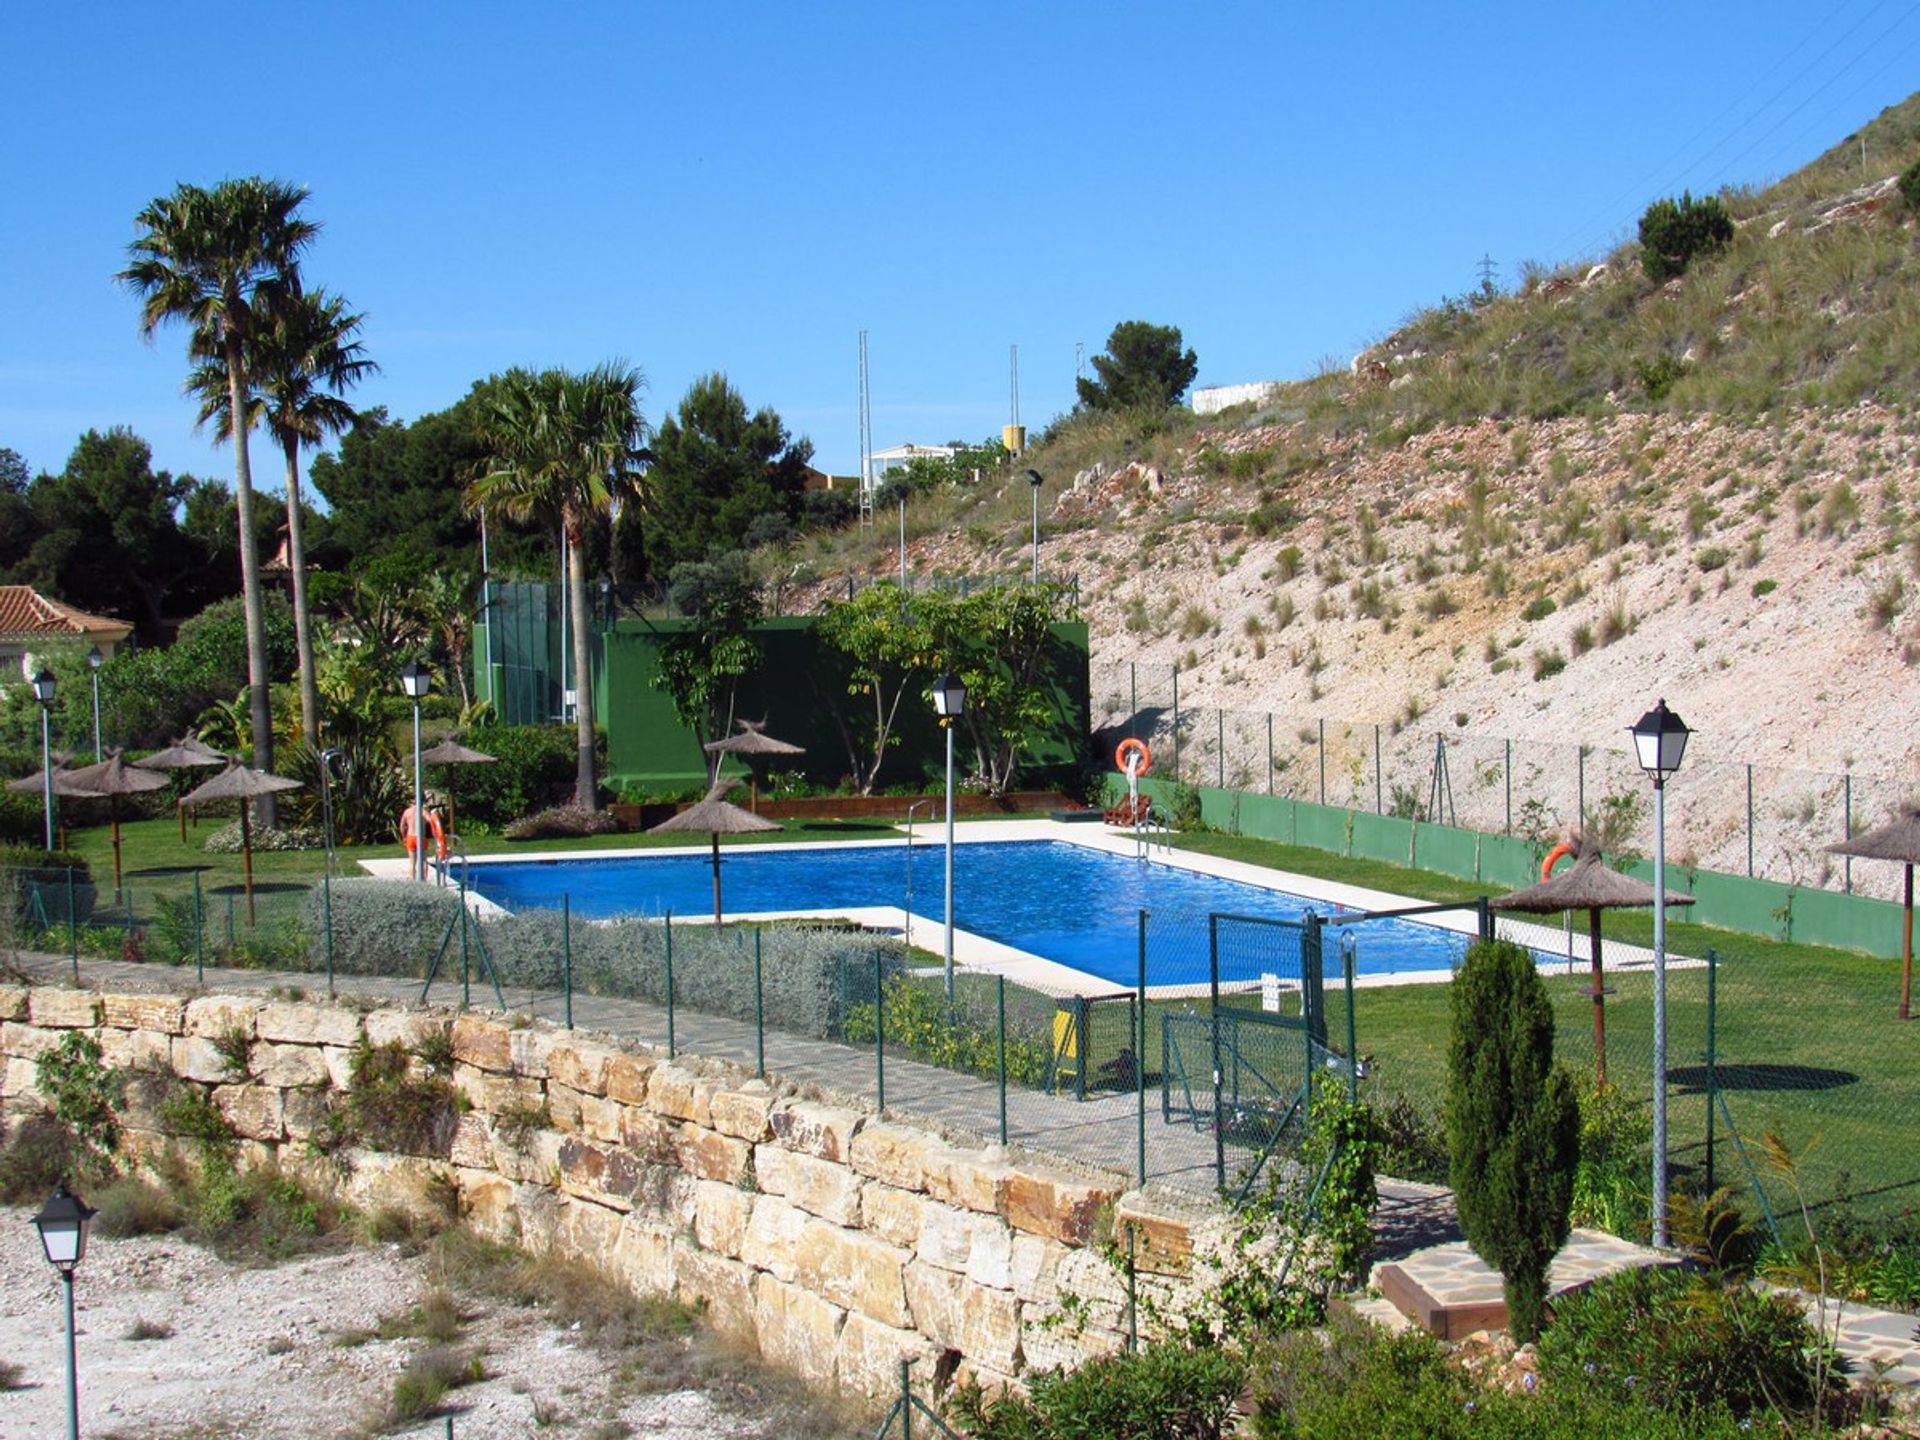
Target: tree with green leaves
[
  {"x": 1513, "y": 1125},
  {"x": 886, "y": 645},
  {"x": 1673, "y": 233},
  {"x": 202, "y": 258},
  {"x": 1144, "y": 369},
  {"x": 721, "y": 478},
  {"x": 301, "y": 354},
  {"x": 998, "y": 644},
  {"x": 566, "y": 448},
  {"x": 700, "y": 667}
]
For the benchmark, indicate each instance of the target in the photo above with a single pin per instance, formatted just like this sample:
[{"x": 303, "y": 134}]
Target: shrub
[
  {"x": 84, "y": 1094},
  {"x": 1711, "y": 557},
  {"x": 381, "y": 927},
  {"x": 1547, "y": 664},
  {"x": 1513, "y": 1128},
  {"x": 1682, "y": 1341},
  {"x": 562, "y": 822},
  {"x": 388, "y": 1107},
  {"x": 534, "y": 766},
  {"x": 39, "y": 1154},
  {"x": 962, "y": 1036},
  {"x": 1673, "y": 233},
  {"x": 227, "y": 839},
  {"x": 1910, "y": 186},
  {"x": 1163, "y": 1392},
  {"x": 1539, "y": 608},
  {"x": 1610, "y": 1182}
]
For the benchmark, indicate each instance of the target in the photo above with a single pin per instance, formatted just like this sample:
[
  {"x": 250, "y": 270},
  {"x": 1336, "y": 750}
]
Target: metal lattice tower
[{"x": 866, "y": 440}]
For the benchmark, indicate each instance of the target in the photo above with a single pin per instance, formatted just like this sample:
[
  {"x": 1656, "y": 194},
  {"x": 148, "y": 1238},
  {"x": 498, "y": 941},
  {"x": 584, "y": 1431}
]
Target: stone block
[
  {"x": 724, "y": 1287},
  {"x": 135, "y": 1049},
  {"x": 1162, "y": 1241},
  {"x": 218, "y": 1014},
  {"x": 744, "y": 1113},
  {"x": 853, "y": 1270},
  {"x": 470, "y": 1082},
  {"x": 709, "y": 1155},
  {"x": 973, "y": 1180},
  {"x": 165, "y": 1014},
  {"x": 253, "y": 1111},
  {"x": 483, "y": 1044},
  {"x": 1034, "y": 1263},
  {"x": 956, "y": 1314},
  {"x": 604, "y": 1119},
  {"x": 946, "y": 1236},
  {"x": 563, "y": 1108},
  {"x": 195, "y": 1058},
  {"x": 580, "y": 1065},
  {"x": 487, "y": 1204},
  {"x": 1097, "y": 1283},
  {"x": 587, "y": 1232},
  {"x": 287, "y": 1065},
  {"x": 628, "y": 1077},
  {"x": 603, "y": 1174},
  {"x": 539, "y": 1210},
  {"x": 896, "y": 1155},
  {"x": 27, "y": 1042},
  {"x": 648, "y": 1136},
  {"x": 815, "y": 1129},
  {"x": 1058, "y": 1205},
  {"x": 772, "y": 1235},
  {"x": 339, "y": 1062},
  {"x": 307, "y": 1024},
  {"x": 721, "y": 1214},
  {"x": 21, "y": 1085},
  {"x": 409, "y": 1029},
  {"x": 534, "y": 1160},
  {"x": 796, "y": 1331},
  {"x": 870, "y": 1356},
  {"x": 529, "y": 1046},
  {"x": 13, "y": 1002},
  {"x": 817, "y": 1186},
  {"x": 680, "y": 1094},
  {"x": 894, "y": 1215},
  {"x": 303, "y": 1112},
  {"x": 54, "y": 1008},
  {"x": 472, "y": 1142},
  {"x": 501, "y": 1093},
  {"x": 643, "y": 1255}
]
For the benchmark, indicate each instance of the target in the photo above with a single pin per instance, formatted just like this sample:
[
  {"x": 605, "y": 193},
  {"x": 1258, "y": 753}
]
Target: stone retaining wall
[{"x": 836, "y": 1241}]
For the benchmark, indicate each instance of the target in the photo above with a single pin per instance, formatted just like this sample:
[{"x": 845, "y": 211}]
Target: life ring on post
[
  {"x": 1554, "y": 857},
  {"x": 1124, "y": 761},
  {"x": 410, "y": 828}
]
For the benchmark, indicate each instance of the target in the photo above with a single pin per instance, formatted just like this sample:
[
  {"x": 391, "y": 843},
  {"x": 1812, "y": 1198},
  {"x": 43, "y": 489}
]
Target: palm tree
[
  {"x": 300, "y": 352},
  {"x": 563, "y": 448},
  {"x": 202, "y": 258}
]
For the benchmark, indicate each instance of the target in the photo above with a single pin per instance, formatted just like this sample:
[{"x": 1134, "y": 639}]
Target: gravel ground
[{"x": 257, "y": 1353}]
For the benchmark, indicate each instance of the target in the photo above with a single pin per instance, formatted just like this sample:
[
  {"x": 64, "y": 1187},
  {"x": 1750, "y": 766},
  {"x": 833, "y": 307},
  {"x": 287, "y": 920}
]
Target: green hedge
[{"x": 535, "y": 766}]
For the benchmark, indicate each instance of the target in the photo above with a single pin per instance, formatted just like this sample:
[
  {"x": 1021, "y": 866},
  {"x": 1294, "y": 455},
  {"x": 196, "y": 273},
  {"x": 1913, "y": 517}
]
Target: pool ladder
[{"x": 1154, "y": 823}]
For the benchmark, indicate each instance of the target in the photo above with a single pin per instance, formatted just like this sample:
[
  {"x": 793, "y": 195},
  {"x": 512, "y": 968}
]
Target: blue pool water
[{"x": 1064, "y": 902}]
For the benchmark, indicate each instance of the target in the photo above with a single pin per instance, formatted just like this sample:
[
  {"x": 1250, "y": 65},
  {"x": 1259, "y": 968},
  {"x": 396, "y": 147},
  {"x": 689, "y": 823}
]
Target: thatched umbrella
[
  {"x": 239, "y": 782},
  {"x": 1899, "y": 840},
  {"x": 714, "y": 816},
  {"x": 452, "y": 752},
  {"x": 1592, "y": 887},
  {"x": 113, "y": 777},
  {"x": 754, "y": 746},
  {"x": 63, "y": 786},
  {"x": 189, "y": 752}
]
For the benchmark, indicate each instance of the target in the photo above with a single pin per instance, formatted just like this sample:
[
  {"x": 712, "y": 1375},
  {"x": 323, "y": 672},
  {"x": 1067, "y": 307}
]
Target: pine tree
[{"x": 1513, "y": 1127}]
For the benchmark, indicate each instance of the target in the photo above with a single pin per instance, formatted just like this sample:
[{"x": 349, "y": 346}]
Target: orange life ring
[
  {"x": 409, "y": 829},
  {"x": 1554, "y": 857},
  {"x": 1129, "y": 747}
]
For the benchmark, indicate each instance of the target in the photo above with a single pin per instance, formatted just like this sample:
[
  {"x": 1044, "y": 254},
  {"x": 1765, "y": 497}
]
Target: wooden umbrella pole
[
  {"x": 246, "y": 857},
  {"x": 113, "y": 819},
  {"x": 1599, "y": 1000},
  {"x": 716, "y": 878},
  {"x": 180, "y": 810}
]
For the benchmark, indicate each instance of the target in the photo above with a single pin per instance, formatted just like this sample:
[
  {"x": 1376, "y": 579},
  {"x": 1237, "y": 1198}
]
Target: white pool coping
[{"x": 983, "y": 955}]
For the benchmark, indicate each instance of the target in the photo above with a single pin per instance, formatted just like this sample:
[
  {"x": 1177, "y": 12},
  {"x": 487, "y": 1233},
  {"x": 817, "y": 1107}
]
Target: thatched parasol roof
[
  {"x": 240, "y": 782},
  {"x": 1896, "y": 840},
  {"x": 715, "y": 815},
  {"x": 452, "y": 752},
  {"x": 1589, "y": 885},
  {"x": 189, "y": 752},
  {"x": 63, "y": 784},
  {"x": 752, "y": 739},
  {"x": 115, "y": 776}
]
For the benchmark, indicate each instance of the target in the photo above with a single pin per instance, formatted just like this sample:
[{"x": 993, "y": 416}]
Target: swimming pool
[{"x": 1065, "y": 902}]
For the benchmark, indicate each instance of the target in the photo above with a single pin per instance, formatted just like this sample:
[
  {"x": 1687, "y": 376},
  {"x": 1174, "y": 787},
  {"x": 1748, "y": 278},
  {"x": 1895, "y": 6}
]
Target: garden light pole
[
  {"x": 94, "y": 661},
  {"x": 63, "y": 1223},
  {"x": 949, "y": 703},
  {"x": 43, "y": 688},
  {"x": 1033, "y": 479},
  {"x": 1660, "y": 739},
  {"x": 417, "y": 680}
]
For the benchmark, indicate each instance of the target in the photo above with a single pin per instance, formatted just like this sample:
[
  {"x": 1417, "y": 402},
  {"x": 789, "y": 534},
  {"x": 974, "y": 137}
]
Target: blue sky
[{"x": 746, "y": 187}]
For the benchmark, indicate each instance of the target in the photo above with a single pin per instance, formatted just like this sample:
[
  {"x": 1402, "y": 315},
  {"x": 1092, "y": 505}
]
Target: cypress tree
[{"x": 1513, "y": 1127}]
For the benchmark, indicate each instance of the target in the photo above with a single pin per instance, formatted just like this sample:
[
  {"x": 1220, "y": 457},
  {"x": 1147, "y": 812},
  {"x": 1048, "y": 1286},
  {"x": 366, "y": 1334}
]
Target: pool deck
[{"x": 983, "y": 955}]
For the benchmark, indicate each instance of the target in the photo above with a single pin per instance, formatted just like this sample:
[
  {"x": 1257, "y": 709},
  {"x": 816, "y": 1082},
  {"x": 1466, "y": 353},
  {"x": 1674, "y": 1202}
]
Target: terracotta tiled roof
[{"x": 25, "y": 614}]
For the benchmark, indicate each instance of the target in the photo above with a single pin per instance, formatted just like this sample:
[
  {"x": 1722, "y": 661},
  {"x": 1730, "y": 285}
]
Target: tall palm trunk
[
  {"x": 302, "y": 631},
  {"x": 261, "y": 705},
  {"x": 587, "y": 792}
]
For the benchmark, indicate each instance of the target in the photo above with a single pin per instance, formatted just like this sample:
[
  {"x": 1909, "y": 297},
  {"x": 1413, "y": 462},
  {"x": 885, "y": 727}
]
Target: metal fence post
[
  {"x": 1269, "y": 752},
  {"x": 1580, "y": 751},
  {"x": 1713, "y": 1093},
  {"x": 1140, "y": 1060},
  {"x": 73, "y": 926},
  {"x": 1083, "y": 1038},
  {"x": 1220, "y": 741},
  {"x": 879, "y": 1034},
  {"x": 1133, "y": 700},
  {"x": 1133, "y": 1297},
  {"x": 1379, "y": 803},
  {"x": 1353, "y": 1045},
  {"x": 1213, "y": 1027},
  {"x": 1509, "y": 770},
  {"x": 1323, "y": 760},
  {"x": 566, "y": 954},
  {"x": 326, "y": 920},
  {"x": 759, "y": 1013},
  {"x": 1847, "y": 824},
  {"x": 1749, "y": 822},
  {"x": 669, "y": 984},
  {"x": 1176, "y": 725},
  {"x": 199, "y": 936},
  {"x": 1000, "y": 1001}
]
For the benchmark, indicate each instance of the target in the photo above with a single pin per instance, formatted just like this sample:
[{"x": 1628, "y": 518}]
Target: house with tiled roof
[{"x": 31, "y": 625}]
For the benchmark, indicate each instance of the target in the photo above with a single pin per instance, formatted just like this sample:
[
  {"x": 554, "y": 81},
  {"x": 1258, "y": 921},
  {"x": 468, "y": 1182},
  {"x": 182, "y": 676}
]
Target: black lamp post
[
  {"x": 63, "y": 1223},
  {"x": 949, "y": 703},
  {"x": 416, "y": 680},
  {"x": 1660, "y": 740},
  {"x": 94, "y": 661},
  {"x": 1033, "y": 479},
  {"x": 43, "y": 690}
]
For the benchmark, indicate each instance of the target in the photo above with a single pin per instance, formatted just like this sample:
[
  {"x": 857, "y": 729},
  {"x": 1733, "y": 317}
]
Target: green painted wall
[{"x": 1505, "y": 862}]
